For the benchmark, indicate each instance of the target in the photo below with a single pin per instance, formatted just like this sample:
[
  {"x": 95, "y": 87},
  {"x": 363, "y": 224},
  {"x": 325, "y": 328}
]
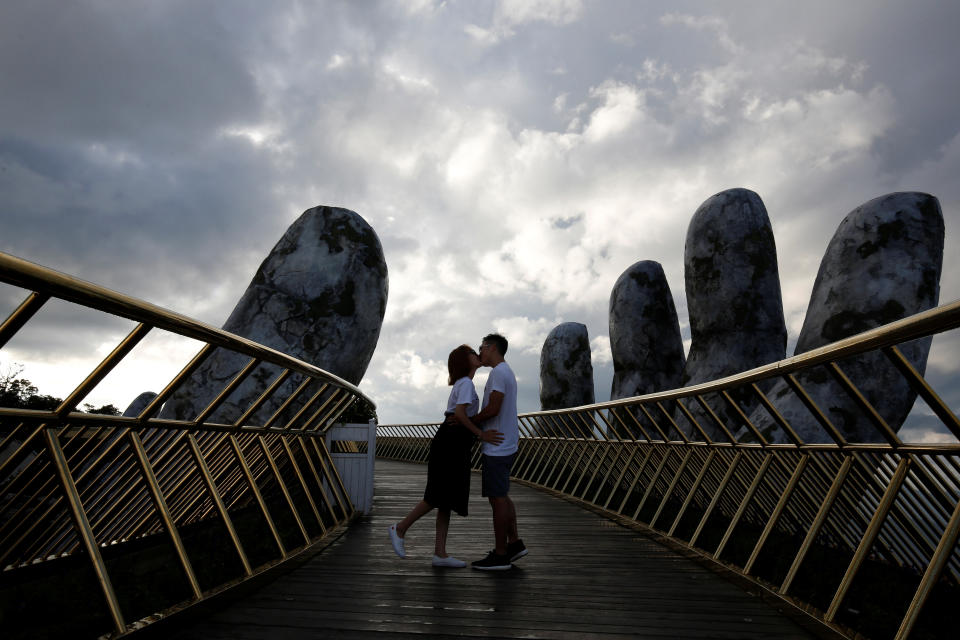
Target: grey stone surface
[
  {"x": 733, "y": 294},
  {"x": 883, "y": 264},
  {"x": 645, "y": 337},
  {"x": 320, "y": 296},
  {"x": 139, "y": 404},
  {"x": 566, "y": 372}
]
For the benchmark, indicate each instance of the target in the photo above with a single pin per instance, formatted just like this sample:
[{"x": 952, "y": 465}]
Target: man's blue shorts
[{"x": 496, "y": 475}]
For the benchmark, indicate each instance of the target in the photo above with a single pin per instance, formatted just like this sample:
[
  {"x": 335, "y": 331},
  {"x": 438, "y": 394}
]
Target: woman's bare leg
[
  {"x": 422, "y": 509},
  {"x": 443, "y": 525}
]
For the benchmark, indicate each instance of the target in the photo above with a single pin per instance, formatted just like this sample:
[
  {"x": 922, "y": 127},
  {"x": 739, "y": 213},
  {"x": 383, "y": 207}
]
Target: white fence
[{"x": 356, "y": 469}]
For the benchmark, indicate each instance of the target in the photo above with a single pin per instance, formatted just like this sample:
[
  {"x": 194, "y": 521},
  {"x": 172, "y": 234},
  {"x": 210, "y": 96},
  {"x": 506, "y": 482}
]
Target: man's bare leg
[
  {"x": 512, "y": 535},
  {"x": 501, "y": 523}
]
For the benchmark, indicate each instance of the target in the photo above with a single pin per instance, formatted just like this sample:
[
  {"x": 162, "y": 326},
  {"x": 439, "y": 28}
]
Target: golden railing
[
  {"x": 861, "y": 535},
  {"x": 164, "y": 513}
]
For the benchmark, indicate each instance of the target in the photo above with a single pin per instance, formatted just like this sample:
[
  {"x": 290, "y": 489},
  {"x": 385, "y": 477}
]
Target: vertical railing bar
[
  {"x": 164, "y": 513},
  {"x": 316, "y": 477},
  {"x": 862, "y": 402},
  {"x": 568, "y": 461},
  {"x": 552, "y": 447},
  {"x": 270, "y": 390},
  {"x": 252, "y": 483},
  {"x": 172, "y": 386},
  {"x": 941, "y": 555},
  {"x": 693, "y": 421},
  {"x": 754, "y": 485},
  {"x": 218, "y": 501},
  {"x": 283, "y": 488},
  {"x": 309, "y": 403},
  {"x": 812, "y": 407},
  {"x": 817, "y": 523},
  {"x": 869, "y": 536},
  {"x": 324, "y": 457},
  {"x": 100, "y": 372},
  {"x": 693, "y": 490},
  {"x": 330, "y": 418},
  {"x": 676, "y": 427},
  {"x": 290, "y": 399},
  {"x": 653, "y": 482},
  {"x": 776, "y": 415},
  {"x": 227, "y": 390},
  {"x": 303, "y": 483},
  {"x": 84, "y": 530},
  {"x": 743, "y": 417},
  {"x": 777, "y": 510},
  {"x": 713, "y": 416},
  {"x": 21, "y": 315},
  {"x": 556, "y": 451},
  {"x": 623, "y": 473},
  {"x": 636, "y": 477},
  {"x": 923, "y": 388},
  {"x": 671, "y": 487},
  {"x": 716, "y": 497}
]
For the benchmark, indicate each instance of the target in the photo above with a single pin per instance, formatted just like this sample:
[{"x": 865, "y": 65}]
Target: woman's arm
[{"x": 493, "y": 437}]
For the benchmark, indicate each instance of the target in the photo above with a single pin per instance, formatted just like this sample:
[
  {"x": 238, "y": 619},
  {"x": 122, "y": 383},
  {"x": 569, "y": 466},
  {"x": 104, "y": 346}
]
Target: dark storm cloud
[{"x": 514, "y": 158}]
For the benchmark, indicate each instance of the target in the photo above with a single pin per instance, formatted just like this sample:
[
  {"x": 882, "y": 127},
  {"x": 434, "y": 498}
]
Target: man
[{"x": 499, "y": 412}]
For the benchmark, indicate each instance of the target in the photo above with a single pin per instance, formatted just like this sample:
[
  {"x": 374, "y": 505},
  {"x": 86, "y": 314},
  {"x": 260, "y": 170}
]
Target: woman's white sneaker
[
  {"x": 397, "y": 542},
  {"x": 449, "y": 561}
]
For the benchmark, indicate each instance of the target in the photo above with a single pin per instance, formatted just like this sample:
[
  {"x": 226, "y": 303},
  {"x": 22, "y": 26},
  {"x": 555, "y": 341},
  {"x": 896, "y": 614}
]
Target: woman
[{"x": 448, "y": 469}]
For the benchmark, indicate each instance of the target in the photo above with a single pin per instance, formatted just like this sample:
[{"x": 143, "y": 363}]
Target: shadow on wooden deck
[{"x": 585, "y": 576}]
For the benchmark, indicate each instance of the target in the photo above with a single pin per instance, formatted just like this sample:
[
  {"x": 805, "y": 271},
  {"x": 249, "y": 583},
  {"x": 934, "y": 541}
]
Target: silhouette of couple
[{"x": 495, "y": 424}]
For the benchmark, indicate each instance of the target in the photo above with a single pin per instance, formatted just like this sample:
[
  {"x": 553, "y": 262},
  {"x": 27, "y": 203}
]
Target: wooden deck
[{"x": 584, "y": 577}]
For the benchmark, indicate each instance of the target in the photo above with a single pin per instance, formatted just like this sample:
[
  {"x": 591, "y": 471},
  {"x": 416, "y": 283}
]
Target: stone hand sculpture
[
  {"x": 645, "y": 340},
  {"x": 566, "y": 372},
  {"x": 320, "y": 296},
  {"x": 883, "y": 264},
  {"x": 733, "y": 296}
]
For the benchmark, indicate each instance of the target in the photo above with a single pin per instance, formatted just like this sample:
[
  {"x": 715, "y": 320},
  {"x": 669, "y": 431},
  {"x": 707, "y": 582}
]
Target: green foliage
[
  {"x": 359, "y": 412},
  {"x": 107, "y": 409}
]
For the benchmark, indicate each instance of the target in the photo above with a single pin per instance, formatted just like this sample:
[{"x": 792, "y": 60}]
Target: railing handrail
[
  {"x": 260, "y": 492},
  {"x": 919, "y": 325},
  {"x": 29, "y": 275}
]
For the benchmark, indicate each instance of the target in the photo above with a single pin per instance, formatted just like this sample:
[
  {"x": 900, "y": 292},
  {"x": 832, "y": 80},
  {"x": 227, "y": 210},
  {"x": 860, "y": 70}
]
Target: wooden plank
[{"x": 584, "y": 577}]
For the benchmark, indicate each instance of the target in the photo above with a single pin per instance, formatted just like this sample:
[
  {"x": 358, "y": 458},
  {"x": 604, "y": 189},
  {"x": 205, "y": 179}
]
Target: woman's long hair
[{"x": 458, "y": 363}]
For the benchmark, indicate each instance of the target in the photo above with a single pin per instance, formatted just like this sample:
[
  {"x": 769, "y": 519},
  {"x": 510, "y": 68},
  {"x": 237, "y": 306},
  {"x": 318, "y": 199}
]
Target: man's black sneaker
[
  {"x": 516, "y": 550},
  {"x": 492, "y": 562}
]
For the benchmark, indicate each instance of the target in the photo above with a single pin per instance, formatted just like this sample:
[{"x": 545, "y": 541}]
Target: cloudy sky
[{"x": 514, "y": 157}]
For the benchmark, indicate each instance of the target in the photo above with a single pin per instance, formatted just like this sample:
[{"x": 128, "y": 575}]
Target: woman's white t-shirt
[{"x": 463, "y": 392}]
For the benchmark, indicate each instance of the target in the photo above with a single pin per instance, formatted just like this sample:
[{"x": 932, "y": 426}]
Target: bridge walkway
[{"x": 584, "y": 577}]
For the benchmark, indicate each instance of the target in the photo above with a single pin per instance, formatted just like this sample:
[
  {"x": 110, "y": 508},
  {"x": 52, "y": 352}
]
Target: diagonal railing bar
[
  {"x": 100, "y": 487},
  {"x": 739, "y": 475}
]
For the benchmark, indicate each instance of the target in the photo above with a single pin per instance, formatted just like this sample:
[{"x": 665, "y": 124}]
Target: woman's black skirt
[{"x": 448, "y": 468}]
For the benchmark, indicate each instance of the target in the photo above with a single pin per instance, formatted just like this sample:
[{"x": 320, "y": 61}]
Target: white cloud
[
  {"x": 620, "y": 110},
  {"x": 338, "y": 61},
  {"x": 509, "y": 14},
  {"x": 410, "y": 369},
  {"x": 600, "y": 352},
  {"x": 704, "y": 23}
]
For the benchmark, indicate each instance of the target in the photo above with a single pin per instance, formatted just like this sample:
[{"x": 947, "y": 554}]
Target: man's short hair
[{"x": 499, "y": 341}]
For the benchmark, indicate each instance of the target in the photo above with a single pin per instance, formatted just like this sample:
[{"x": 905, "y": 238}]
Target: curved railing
[
  {"x": 153, "y": 513},
  {"x": 861, "y": 533}
]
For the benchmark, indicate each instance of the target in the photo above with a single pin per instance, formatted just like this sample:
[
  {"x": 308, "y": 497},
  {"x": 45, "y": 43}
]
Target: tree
[
  {"x": 359, "y": 411},
  {"x": 107, "y": 409}
]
